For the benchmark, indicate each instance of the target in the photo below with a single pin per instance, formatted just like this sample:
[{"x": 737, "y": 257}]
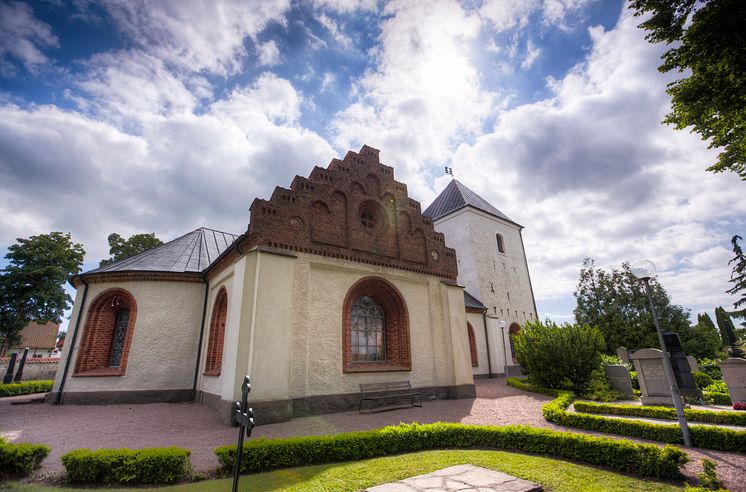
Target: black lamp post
[{"x": 644, "y": 270}]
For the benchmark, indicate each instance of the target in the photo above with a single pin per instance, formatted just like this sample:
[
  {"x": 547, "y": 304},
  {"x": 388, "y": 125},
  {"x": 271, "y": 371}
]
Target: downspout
[
  {"x": 201, "y": 338},
  {"x": 505, "y": 353},
  {"x": 487, "y": 343},
  {"x": 71, "y": 347}
]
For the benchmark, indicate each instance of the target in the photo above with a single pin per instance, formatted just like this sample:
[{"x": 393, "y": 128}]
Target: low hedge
[
  {"x": 623, "y": 455},
  {"x": 122, "y": 466},
  {"x": 709, "y": 416},
  {"x": 25, "y": 388},
  {"x": 707, "y": 437},
  {"x": 20, "y": 459}
]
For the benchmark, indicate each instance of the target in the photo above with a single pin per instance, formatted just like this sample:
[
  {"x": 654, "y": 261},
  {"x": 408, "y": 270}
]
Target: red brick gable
[{"x": 355, "y": 210}]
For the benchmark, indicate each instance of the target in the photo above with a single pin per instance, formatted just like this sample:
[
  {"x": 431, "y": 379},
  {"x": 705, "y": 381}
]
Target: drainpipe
[
  {"x": 505, "y": 353},
  {"x": 201, "y": 338},
  {"x": 487, "y": 342},
  {"x": 71, "y": 347}
]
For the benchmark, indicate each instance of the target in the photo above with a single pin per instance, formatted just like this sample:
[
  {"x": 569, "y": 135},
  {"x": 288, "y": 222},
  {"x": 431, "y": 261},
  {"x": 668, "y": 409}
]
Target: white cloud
[
  {"x": 346, "y": 6},
  {"x": 338, "y": 34},
  {"x": 505, "y": 15},
  {"x": 532, "y": 53},
  {"x": 23, "y": 38},
  {"x": 269, "y": 53}
]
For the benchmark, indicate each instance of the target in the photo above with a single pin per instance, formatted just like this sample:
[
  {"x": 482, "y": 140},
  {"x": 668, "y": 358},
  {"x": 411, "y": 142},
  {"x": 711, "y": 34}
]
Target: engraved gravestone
[
  {"x": 652, "y": 377},
  {"x": 620, "y": 381},
  {"x": 682, "y": 370},
  {"x": 734, "y": 374}
]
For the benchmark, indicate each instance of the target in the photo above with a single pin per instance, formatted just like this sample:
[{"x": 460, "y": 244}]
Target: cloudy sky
[{"x": 134, "y": 116}]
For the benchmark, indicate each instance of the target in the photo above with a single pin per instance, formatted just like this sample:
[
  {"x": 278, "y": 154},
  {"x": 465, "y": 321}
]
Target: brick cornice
[{"x": 137, "y": 276}]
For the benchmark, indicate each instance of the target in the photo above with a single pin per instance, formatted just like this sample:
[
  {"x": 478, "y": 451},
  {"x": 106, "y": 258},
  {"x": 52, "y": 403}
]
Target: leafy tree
[
  {"x": 738, "y": 278},
  {"x": 702, "y": 340},
  {"x": 616, "y": 303},
  {"x": 31, "y": 284},
  {"x": 554, "y": 355},
  {"x": 727, "y": 331},
  {"x": 709, "y": 39},
  {"x": 120, "y": 248}
]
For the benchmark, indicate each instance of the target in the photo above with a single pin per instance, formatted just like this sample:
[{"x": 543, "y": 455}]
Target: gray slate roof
[
  {"x": 472, "y": 302},
  {"x": 192, "y": 252},
  {"x": 456, "y": 196}
]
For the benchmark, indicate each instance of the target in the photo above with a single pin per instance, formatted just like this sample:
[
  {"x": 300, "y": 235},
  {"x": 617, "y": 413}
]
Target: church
[{"x": 340, "y": 279}]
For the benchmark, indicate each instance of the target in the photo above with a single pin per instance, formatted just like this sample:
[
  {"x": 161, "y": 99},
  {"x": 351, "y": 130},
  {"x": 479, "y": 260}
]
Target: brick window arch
[
  {"x": 373, "y": 306},
  {"x": 107, "y": 336},
  {"x": 214, "y": 360},
  {"x": 472, "y": 345}
]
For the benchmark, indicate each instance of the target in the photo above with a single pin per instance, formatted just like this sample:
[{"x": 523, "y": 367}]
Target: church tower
[{"x": 492, "y": 262}]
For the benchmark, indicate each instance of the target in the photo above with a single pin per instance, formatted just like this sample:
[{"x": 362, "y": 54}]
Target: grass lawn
[{"x": 553, "y": 474}]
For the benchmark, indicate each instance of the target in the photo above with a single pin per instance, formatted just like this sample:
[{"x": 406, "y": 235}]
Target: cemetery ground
[{"x": 196, "y": 428}]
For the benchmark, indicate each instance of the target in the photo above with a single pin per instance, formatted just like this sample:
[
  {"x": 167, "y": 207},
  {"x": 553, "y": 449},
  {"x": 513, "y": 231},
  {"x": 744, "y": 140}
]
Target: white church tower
[{"x": 492, "y": 267}]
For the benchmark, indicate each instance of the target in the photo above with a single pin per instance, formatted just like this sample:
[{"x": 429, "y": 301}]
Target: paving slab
[{"x": 463, "y": 478}]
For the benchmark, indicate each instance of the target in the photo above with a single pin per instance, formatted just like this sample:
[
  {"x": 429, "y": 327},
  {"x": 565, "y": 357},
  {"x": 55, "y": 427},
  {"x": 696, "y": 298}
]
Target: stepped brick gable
[{"x": 354, "y": 210}]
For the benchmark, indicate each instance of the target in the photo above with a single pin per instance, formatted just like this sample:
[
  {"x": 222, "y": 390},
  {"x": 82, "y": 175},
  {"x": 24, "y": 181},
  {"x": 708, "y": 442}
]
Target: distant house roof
[
  {"x": 39, "y": 336},
  {"x": 192, "y": 252},
  {"x": 456, "y": 196},
  {"x": 472, "y": 302}
]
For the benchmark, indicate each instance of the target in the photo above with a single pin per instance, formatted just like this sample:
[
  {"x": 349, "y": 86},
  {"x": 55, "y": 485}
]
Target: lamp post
[{"x": 644, "y": 270}]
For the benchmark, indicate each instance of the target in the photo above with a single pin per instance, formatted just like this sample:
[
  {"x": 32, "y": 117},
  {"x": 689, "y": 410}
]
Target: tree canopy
[
  {"x": 120, "y": 248},
  {"x": 31, "y": 285},
  {"x": 738, "y": 279},
  {"x": 709, "y": 45}
]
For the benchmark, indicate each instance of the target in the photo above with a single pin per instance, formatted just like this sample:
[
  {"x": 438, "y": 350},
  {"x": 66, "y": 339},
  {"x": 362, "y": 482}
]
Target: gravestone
[
  {"x": 682, "y": 370},
  {"x": 734, "y": 375},
  {"x": 652, "y": 377},
  {"x": 8, "y": 378},
  {"x": 693, "y": 365},
  {"x": 623, "y": 354},
  {"x": 620, "y": 381}
]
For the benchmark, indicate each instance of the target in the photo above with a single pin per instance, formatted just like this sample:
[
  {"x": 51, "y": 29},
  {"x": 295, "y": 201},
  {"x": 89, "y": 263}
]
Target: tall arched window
[
  {"x": 472, "y": 345},
  {"x": 376, "y": 328},
  {"x": 500, "y": 243},
  {"x": 214, "y": 356},
  {"x": 514, "y": 329},
  {"x": 107, "y": 335}
]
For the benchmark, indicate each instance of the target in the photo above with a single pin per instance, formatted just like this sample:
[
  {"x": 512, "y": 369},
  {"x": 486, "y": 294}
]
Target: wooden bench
[{"x": 388, "y": 394}]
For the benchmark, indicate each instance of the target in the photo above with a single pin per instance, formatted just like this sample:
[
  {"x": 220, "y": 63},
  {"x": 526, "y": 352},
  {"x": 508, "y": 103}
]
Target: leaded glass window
[
  {"x": 367, "y": 332},
  {"x": 120, "y": 331}
]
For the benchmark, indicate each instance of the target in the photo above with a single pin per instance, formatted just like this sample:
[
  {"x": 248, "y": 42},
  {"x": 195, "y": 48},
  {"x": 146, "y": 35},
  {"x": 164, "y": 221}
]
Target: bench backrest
[
  {"x": 385, "y": 387},
  {"x": 398, "y": 386}
]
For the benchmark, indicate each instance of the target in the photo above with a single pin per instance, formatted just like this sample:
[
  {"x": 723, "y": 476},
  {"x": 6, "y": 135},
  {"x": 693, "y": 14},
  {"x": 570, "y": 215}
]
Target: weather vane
[{"x": 449, "y": 170}]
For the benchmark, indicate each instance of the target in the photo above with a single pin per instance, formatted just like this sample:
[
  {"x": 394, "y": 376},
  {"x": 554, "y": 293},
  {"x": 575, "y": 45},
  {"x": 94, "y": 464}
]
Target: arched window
[
  {"x": 107, "y": 335},
  {"x": 376, "y": 328},
  {"x": 472, "y": 345},
  {"x": 500, "y": 243},
  {"x": 214, "y": 356},
  {"x": 514, "y": 329}
]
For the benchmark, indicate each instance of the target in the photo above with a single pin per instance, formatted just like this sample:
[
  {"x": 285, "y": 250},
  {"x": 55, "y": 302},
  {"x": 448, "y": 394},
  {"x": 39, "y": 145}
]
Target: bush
[
  {"x": 151, "y": 465},
  {"x": 635, "y": 381},
  {"x": 717, "y": 393},
  {"x": 25, "y": 388},
  {"x": 739, "y": 405},
  {"x": 554, "y": 355},
  {"x": 20, "y": 459},
  {"x": 598, "y": 387},
  {"x": 702, "y": 379},
  {"x": 709, "y": 478},
  {"x": 623, "y": 455},
  {"x": 708, "y": 416},
  {"x": 710, "y": 367}
]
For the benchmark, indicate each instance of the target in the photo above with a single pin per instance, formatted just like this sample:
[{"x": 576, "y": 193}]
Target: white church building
[{"x": 339, "y": 280}]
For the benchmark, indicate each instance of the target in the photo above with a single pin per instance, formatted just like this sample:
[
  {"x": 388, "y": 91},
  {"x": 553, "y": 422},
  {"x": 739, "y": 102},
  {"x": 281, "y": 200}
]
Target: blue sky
[{"x": 164, "y": 116}]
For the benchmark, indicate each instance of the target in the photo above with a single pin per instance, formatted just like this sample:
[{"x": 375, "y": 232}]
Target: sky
[{"x": 135, "y": 116}]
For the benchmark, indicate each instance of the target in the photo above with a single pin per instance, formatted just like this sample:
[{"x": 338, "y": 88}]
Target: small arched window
[
  {"x": 500, "y": 243},
  {"x": 472, "y": 345},
  {"x": 214, "y": 356}
]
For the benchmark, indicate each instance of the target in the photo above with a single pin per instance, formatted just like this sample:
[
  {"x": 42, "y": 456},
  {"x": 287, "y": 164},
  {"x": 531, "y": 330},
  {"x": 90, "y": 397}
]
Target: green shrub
[
  {"x": 20, "y": 459},
  {"x": 716, "y": 398},
  {"x": 598, "y": 387},
  {"x": 708, "y": 416},
  {"x": 710, "y": 367},
  {"x": 553, "y": 355},
  {"x": 623, "y": 455},
  {"x": 702, "y": 379},
  {"x": 709, "y": 478},
  {"x": 635, "y": 381},
  {"x": 25, "y": 388},
  {"x": 150, "y": 465}
]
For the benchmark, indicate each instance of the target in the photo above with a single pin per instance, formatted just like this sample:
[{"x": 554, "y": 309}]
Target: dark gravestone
[
  {"x": 11, "y": 365},
  {"x": 682, "y": 370},
  {"x": 19, "y": 374}
]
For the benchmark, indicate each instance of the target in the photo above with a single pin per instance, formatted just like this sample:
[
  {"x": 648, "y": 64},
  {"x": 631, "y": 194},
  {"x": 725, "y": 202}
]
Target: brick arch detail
[
  {"x": 472, "y": 345},
  {"x": 396, "y": 334},
  {"x": 98, "y": 334},
  {"x": 216, "y": 339}
]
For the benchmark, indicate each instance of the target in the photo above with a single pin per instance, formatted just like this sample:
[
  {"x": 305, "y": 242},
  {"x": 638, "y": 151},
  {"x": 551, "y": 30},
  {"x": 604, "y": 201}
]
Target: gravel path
[{"x": 195, "y": 427}]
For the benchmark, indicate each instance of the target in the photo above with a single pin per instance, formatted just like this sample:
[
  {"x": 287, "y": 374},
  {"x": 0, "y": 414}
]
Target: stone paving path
[
  {"x": 463, "y": 478},
  {"x": 196, "y": 428}
]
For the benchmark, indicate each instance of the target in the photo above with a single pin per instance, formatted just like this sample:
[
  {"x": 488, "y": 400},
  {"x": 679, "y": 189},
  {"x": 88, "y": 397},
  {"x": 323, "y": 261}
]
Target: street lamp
[{"x": 644, "y": 270}]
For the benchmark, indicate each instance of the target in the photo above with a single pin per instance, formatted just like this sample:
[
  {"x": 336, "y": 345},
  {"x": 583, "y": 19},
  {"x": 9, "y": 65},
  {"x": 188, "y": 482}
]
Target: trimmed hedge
[
  {"x": 21, "y": 459},
  {"x": 25, "y": 388},
  {"x": 709, "y": 416},
  {"x": 623, "y": 455},
  {"x": 706, "y": 437},
  {"x": 150, "y": 465}
]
